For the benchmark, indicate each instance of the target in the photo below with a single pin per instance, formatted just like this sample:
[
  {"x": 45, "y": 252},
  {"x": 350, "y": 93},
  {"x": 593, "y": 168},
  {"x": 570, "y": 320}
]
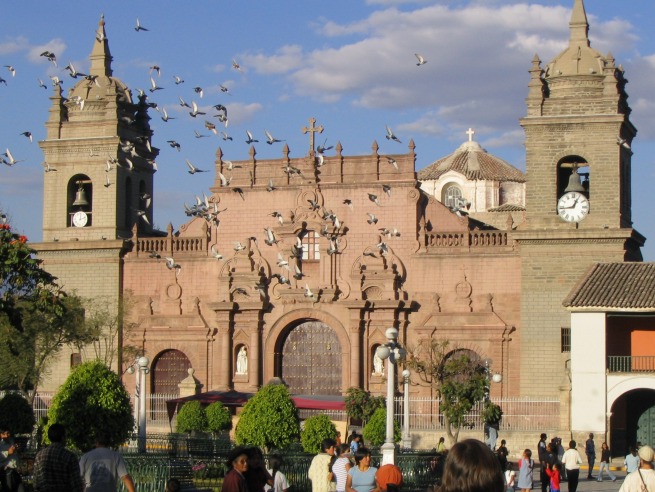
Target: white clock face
[
  {"x": 573, "y": 206},
  {"x": 80, "y": 219}
]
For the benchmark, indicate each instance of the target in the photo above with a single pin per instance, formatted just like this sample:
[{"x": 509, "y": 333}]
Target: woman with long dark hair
[
  {"x": 472, "y": 467},
  {"x": 361, "y": 477}
]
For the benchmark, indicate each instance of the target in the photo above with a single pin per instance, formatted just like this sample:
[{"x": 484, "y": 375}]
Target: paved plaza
[{"x": 589, "y": 485}]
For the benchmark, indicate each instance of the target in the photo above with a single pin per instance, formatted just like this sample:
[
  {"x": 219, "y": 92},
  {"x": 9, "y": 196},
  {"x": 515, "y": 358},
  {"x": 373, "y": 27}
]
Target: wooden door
[
  {"x": 311, "y": 360},
  {"x": 168, "y": 370}
]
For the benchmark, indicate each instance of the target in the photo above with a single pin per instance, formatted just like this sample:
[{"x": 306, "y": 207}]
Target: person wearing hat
[
  {"x": 234, "y": 480},
  {"x": 389, "y": 477},
  {"x": 643, "y": 478}
]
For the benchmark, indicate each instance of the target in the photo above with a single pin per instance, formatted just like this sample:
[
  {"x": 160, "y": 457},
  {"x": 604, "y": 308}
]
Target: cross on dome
[{"x": 470, "y": 133}]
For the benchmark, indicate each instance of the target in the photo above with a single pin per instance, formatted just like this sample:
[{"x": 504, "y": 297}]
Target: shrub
[
  {"x": 491, "y": 413},
  {"x": 16, "y": 414},
  {"x": 269, "y": 419},
  {"x": 375, "y": 430},
  {"x": 218, "y": 417},
  {"x": 317, "y": 428},
  {"x": 91, "y": 401},
  {"x": 191, "y": 417}
]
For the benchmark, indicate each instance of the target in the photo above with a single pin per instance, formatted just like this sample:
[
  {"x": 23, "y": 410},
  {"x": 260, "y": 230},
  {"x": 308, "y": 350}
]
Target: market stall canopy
[{"x": 234, "y": 398}]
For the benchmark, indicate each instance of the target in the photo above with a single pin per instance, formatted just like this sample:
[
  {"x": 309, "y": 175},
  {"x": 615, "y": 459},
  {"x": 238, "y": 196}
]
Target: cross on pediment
[{"x": 312, "y": 130}]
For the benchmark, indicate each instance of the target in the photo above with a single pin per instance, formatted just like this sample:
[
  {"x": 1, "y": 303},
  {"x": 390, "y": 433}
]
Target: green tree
[
  {"x": 315, "y": 429},
  {"x": 37, "y": 319},
  {"x": 92, "y": 400},
  {"x": 457, "y": 377},
  {"x": 361, "y": 405},
  {"x": 269, "y": 419},
  {"x": 16, "y": 414},
  {"x": 192, "y": 417},
  {"x": 375, "y": 431},
  {"x": 218, "y": 417}
]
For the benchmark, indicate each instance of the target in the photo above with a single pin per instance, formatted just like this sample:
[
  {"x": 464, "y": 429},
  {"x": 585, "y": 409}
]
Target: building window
[
  {"x": 310, "y": 246},
  {"x": 76, "y": 360},
  {"x": 566, "y": 339},
  {"x": 452, "y": 196}
]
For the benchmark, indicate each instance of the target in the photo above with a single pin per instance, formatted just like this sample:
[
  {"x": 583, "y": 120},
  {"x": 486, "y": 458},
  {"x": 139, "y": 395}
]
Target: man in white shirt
[
  {"x": 644, "y": 476},
  {"x": 631, "y": 461},
  {"x": 572, "y": 461}
]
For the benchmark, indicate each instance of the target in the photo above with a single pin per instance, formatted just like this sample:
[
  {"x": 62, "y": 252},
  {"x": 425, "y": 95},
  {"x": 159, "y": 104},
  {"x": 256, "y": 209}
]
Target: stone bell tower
[
  {"x": 101, "y": 162},
  {"x": 97, "y": 188},
  {"x": 578, "y": 195}
]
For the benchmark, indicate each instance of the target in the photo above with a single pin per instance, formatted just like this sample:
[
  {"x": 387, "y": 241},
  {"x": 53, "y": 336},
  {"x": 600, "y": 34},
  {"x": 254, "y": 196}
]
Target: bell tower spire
[
  {"x": 100, "y": 55},
  {"x": 579, "y": 25}
]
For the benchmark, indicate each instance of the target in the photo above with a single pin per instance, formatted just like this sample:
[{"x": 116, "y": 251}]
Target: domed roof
[
  {"x": 579, "y": 58},
  {"x": 475, "y": 163}
]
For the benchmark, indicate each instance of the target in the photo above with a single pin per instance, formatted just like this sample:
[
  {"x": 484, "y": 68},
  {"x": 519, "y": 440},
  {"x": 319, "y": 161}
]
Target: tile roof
[
  {"x": 474, "y": 162},
  {"x": 614, "y": 287},
  {"x": 507, "y": 207}
]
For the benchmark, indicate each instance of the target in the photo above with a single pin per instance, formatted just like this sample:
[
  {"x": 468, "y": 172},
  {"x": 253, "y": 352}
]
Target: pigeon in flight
[
  {"x": 139, "y": 27},
  {"x": 322, "y": 148},
  {"x": 157, "y": 69},
  {"x": 421, "y": 60},
  {"x": 172, "y": 265},
  {"x": 199, "y": 135},
  {"x": 386, "y": 189},
  {"x": 225, "y": 90},
  {"x": 211, "y": 127},
  {"x": 199, "y": 91},
  {"x": 174, "y": 144},
  {"x": 270, "y": 186},
  {"x": 50, "y": 56},
  {"x": 28, "y": 135},
  {"x": 11, "y": 69},
  {"x": 47, "y": 167},
  {"x": 372, "y": 219},
  {"x": 165, "y": 116},
  {"x": 282, "y": 262},
  {"x": 153, "y": 85},
  {"x": 41, "y": 84},
  {"x": 235, "y": 65},
  {"x": 11, "y": 160},
  {"x": 184, "y": 104},
  {"x": 215, "y": 253},
  {"x": 308, "y": 291},
  {"x": 193, "y": 169},
  {"x": 225, "y": 136},
  {"x": 270, "y": 138},
  {"x": 107, "y": 183},
  {"x": 3, "y": 81},
  {"x": 194, "y": 110},
  {"x": 393, "y": 162},
  {"x": 178, "y": 80},
  {"x": 251, "y": 139},
  {"x": 390, "y": 135},
  {"x": 374, "y": 199}
]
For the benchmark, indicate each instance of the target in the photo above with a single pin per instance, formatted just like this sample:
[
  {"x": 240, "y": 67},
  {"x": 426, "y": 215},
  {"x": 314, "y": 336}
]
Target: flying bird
[
  {"x": 235, "y": 65},
  {"x": 157, "y": 69},
  {"x": 387, "y": 189},
  {"x": 174, "y": 144},
  {"x": 211, "y": 127},
  {"x": 11, "y": 161},
  {"x": 28, "y": 135},
  {"x": 107, "y": 183},
  {"x": 240, "y": 192},
  {"x": 225, "y": 136},
  {"x": 199, "y": 135},
  {"x": 270, "y": 237},
  {"x": 139, "y": 27},
  {"x": 270, "y": 138},
  {"x": 374, "y": 199},
  {"x": 250, "y": 139},
  {"x": 298, "y": 275},
  {"x": 153, "y": 254},
  {"x": 47, "y": 168},
  {"x": 622, "y": 142},
  {"x": 308, "y": 291},
  {"x": 372, "y": 219},
  {"x": 322, "y": 148},
  {"x": 282, "y": 262},
  {"x": 153, "y": 85},
  {"x": 224, "y": 181},
  {"x": 172, "y": 265},
  {"x": 178, "y": 80},
  {"x": 199, "y": 91},
  {"x": 281, "y": 278},
  {"x": 238, "y": 246},
  {"x": 270, "y": 186},
  {"x": 215, "y": 253},
  {"x": 193, "y": 169},
  {"x": 393, "y": 162},
  {"x": 225, "y": 90},
  {"x": 421, "y": 59},
  {"x": 194, "y": 110},
  {"x": 390, "y": 135},
  {"x": 183, "y": 104},
  {"x": 165, "y": 116},
  {"x": 3, "y": 81},
  {"x": 11, "y": 69},
  {"x": 50, "y": 56},
  {"x": 41, "y": 84}
]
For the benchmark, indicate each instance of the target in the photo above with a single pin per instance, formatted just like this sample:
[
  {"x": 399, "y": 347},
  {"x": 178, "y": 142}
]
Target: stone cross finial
[
  {"x": 312, "y": 130},
  {"x": 470, "y": 133}
]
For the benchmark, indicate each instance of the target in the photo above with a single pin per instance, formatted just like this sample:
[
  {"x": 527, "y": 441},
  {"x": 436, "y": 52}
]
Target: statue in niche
[
  {"x": 242, "y": 361},
  {"x": 378, "y": 365}
]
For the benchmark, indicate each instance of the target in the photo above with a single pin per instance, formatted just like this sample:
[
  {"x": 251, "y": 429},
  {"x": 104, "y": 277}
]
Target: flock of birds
[{"x": 203, "y": 207}]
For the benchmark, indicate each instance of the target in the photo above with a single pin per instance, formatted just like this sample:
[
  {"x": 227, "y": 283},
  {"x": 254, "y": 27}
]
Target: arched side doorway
[
  {"x": 168, "y": 370},
  {"x": 310, "y": 360},
  {"x": 632, "y": 420}
]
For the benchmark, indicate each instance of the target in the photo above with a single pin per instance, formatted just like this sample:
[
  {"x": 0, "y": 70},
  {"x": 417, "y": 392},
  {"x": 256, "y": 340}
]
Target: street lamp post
[
  {"x": 407, "y": 439},
  {"x": 394, "y": 352},
  {"x": 142, "y": 362}
]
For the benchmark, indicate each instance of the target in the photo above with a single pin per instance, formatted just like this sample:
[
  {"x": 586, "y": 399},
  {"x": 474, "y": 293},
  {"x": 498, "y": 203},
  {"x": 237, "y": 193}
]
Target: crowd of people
[{"x": 469, "y": 466}]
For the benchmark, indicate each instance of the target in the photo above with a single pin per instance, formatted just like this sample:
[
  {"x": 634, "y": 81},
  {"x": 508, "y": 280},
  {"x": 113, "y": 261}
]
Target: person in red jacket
[{"x": 553, "y": 473}]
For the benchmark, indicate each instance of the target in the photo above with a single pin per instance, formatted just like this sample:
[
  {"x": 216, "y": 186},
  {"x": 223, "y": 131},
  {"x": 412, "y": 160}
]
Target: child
[
  {"x": 510, "y": 477},
  {"x": 341, "y": 466},
  {"x": 280, "y": 483},
  {"x": 526, "y": 466},
  {"x": 553, "y": 472}
]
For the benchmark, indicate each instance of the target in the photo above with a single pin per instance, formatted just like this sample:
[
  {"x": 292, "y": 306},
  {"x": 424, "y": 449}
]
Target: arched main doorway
[
  {"x": 311, "y": 360},
  {"x": 632, "y": 420},
  {"x": 169, "y": 368}
]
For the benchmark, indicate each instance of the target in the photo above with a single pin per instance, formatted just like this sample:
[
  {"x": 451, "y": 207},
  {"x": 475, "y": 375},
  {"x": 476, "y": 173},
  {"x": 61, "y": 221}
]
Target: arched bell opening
[{"x": 79, "y": 202}]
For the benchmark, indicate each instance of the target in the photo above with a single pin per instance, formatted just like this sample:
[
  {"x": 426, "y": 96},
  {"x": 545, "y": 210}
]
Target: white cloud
[
  {"x": 14, "y": 46},
  {"x": 287, "y": 58},
  {"x": 56, "y": 46}
]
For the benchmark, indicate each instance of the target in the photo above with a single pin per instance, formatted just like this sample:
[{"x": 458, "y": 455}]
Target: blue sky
[{"x": 348, "y": 63}]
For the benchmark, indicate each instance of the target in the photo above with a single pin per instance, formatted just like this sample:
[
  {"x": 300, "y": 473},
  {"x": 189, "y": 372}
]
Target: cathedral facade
[{"x": 294, "y": 268}]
